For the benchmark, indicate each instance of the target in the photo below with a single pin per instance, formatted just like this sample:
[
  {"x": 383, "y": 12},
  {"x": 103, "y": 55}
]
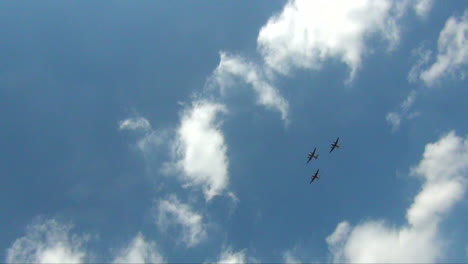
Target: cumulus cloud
[
  {"x": 341, "y": 231},
  {"x": 394, "y": 118},
  {"x": 228, "y": 256},
  {"x": 173, "y": 212},
  {"x": 139, "y": 251},
  {"x": 444, "y": 169},
  {"x": 199, "y": 149},
  {"x": 422, "y": 7},
  {"x": 231, "y": 67},
  {"x": 452, "y": 49},
  {"x": 47, "y": 241},
  {"x": 307, "y": 33}
]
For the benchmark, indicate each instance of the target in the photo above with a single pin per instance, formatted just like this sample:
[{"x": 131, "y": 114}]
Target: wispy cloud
[
  {"x": 444, "y": 169},
  {"x": 48, "y": 241},
  {"x": 422, "y": 7},
  {"x": 466, "y": 252},
  {"x": 173, "y": 212},
  {"x": 135, "y": 123},
  {"x": 139, "y": 250},
  {"x": 199, "y": 149},
  {"x": 150, "y": 139},
  {"x": 290, "y": 257},
  {"x": 452, "y": 53},
  {"x": 395, "y": 118},
  {"x": 228, "y": 256},
  {"x": 307, "y": 33},
  {"x": 423, "y": 56},
  {"x": 233, "y": 66}
]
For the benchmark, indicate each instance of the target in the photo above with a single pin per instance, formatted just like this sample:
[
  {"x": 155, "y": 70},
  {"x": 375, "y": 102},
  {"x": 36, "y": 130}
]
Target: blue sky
[{"x": 178, "y": 132}]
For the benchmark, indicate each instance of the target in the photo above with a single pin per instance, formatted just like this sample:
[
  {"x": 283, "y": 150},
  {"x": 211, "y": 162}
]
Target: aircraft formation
[{"x": 312, "y": 155}]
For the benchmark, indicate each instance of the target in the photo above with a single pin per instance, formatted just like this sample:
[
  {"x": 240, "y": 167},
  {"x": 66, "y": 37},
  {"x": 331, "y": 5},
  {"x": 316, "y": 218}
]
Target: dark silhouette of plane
[
  {"x": 315, "y": 176},
  {"x": 334, "y": 145},
  {"x": 312, "y": 155}
]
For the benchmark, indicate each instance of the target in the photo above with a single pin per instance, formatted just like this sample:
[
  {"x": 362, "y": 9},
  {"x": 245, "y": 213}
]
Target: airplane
[
  {"x": 312, "y": 155},
  {"x": 334, "y": 145},
  {"x": 315, "y": 176}
]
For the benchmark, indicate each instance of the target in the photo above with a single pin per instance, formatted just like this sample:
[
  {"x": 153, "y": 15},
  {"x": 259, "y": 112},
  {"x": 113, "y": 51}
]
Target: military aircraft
[
  {"x": 334, "y": 145},
  {"x": 315, "y": 176},
  {"x": 312, "y": 155}
]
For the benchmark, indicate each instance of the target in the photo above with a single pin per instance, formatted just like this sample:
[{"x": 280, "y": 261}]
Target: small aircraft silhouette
[
  {"x": 312, "y": 155},
  {"x": 315, "y": 176},
  {"x": 334, "y": 145}
]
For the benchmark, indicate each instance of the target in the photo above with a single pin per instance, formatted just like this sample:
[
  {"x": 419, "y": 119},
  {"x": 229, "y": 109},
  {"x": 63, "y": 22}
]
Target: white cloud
[
  {"x": 228, "y": 256},
  {"x": 139, "y": 251},
  {"x": 307, "y": 33},
  {"x": 341, "y": 231},
  {"x": 150, "y": 139},
  {"x": 199, "y": 149},
  {"x": 423, "y": 56},
  {"x": 444, "y": 169},
  {"x": 409, "y": 101},
  {"x": 231, "y": 67},
  {"x": 137, "y": 123},
  {"x": 422, "y": 7},
  {"x": 376, "y": 242},
  {"x": 395, "y": 118},
  {"x": 452, "y": 51},
  {"x": 290, "y": 257},
  {"x": 47, "y": 241},
  {"x": 173, "y": 212}
]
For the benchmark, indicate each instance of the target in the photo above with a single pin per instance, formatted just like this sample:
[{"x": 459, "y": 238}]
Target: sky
[{"x": 167, "y": 132}]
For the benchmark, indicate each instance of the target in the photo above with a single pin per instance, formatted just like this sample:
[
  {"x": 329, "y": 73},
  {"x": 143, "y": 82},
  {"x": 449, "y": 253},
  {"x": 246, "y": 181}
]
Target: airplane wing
[
  {"x": 332, "y": 147},
  {"x": 310, "y": 157}
]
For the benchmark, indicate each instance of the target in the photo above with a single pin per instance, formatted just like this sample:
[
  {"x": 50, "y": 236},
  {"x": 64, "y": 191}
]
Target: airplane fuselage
[
  {"x": 334, "y": 145},
  {"x": 315, "y": 176},
  {"x": 312, "y": 155}
]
